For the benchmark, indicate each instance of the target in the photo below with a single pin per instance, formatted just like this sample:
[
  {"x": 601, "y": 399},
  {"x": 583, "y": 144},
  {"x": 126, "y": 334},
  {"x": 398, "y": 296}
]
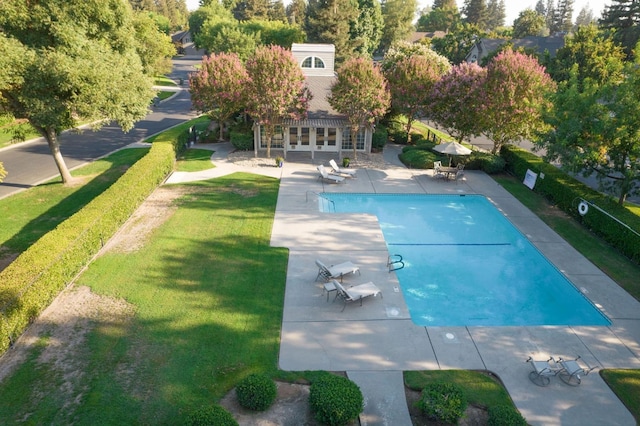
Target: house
[
  {"x": 324, "y": 129},
  {"x": 486, "y": 46}
]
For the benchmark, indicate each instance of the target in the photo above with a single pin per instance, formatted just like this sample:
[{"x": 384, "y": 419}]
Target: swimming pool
[{"x": 466, "y": 264}]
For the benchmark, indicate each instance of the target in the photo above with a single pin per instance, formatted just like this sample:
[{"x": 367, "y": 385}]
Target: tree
[
  {"x": 329, "y": 21},
  {"x": 251, "y": 9},
  {"x": 475, "y": 12},
  {"x": 516, "y": 93},
  {"x": 540, "y": 8},
  {"x": 410, "y": 83},
  {"x": 359, "y": 92},
  {"x": 528, "y": 23},
  {"x": 210, "y": 14},
  {"x": 456, "y": 44},
  {"x": 218, "y": 87},
  {"x": 496, "y": 14},
  {"x": 403, "y": 49},
  {"x": 297, "y": 12},
  {"x": 398, "y": 21},
  {"x": 596, "y": 55},
  {"x": 277, "y": 11},
  {"x": 276, "y": 89},
  {"x": 457, "y": 100},
  {"x": 563, "y": 16},
  {"x": 621, "y": 18},
  {"x": 153, "y": 46},
  {"x": 274, "y": 32},
  {"x": 78, "y": 62},
  {"x": 596, "y": 128},
  {"x": 366, "y": 29},
  {"x": 584, "y": 18},
  {"x": 439, "y": 19}
]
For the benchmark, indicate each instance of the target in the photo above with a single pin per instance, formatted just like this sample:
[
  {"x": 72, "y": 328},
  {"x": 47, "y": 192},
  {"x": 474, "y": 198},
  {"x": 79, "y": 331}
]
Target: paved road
[{"x": 31, "y": 163}]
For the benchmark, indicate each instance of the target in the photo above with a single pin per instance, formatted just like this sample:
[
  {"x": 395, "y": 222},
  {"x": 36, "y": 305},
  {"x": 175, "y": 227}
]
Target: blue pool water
[{"x": 466, "y": 264}]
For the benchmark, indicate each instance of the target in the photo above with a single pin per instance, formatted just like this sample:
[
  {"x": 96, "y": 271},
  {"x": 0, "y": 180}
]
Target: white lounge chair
[
  {"x": 325, "y": 175},
  {"x": 571, "y": 371},
  {"x": 336, "y": 271},
  {"x": 356, "y": 292},
  {"x": 346, "y": 172}
]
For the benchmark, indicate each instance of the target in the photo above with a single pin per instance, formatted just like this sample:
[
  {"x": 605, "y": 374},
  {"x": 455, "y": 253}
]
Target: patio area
[{"x": 380, "y": 336}]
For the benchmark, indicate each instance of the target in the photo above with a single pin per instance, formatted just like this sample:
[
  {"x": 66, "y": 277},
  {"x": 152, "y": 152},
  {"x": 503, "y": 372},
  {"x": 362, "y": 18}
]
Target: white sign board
[{"x": 530, "y": 179}]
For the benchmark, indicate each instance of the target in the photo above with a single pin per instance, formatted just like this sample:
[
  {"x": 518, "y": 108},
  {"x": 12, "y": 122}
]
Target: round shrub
[
  {"x": 443, "y": 402},
  {"x": 213, "y": 415},
  {"x": 335, "y": 400},
  {"x": 504, "y": 415},
  {"x": 256, "y": 392}
]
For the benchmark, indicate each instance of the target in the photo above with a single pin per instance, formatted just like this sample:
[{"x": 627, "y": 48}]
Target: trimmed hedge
[
  {"x": 335, "y": 400},
  {"x": 213, "y": 415},
  {"x": 422, "y": 156},
  {"x": 241, "y": 140},
  {"x": 256, "y": 392},
  {"x": 566, "y": 192},
  {"x": 34, "y": 279},
  {"x": 379, "y": 138}
]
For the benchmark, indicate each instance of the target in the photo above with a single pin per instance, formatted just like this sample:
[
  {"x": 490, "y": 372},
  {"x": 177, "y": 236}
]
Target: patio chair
[
  {"x": 341, "y": 171},
  {"x": 570, "y": 371},
  {"x": 327, "y": 176},
  {"x": 542, "y": 371},
  {"x": 460, "y": 177},
  {"x": 356, "y": 292},
  {"x": 437, "y": 173},
  {"x": 335, "y": 271}
]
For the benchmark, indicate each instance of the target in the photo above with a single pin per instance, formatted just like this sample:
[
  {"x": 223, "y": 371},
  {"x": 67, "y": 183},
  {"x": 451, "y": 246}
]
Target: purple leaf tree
[
  {"x": 457, "y": 101},
  {"x": 275, "y": 90},
  {"x": 360, "y": 92},
  {"x": 516, "y": 93},
  {"x": 217, "y": 89},
  {"x": 411, "y": 81}
]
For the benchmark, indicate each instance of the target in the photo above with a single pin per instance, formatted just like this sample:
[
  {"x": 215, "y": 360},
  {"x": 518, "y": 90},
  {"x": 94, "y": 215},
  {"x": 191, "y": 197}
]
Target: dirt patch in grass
[{"x": 152, "y": 213}]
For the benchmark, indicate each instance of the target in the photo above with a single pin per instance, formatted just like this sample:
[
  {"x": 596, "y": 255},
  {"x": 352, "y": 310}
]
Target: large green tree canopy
[{"x": 77, "y": 61}]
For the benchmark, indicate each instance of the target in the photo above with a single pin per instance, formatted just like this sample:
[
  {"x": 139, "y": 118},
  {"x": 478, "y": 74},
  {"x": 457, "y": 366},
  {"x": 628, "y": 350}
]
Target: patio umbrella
[{"x": 452, "y": 148}]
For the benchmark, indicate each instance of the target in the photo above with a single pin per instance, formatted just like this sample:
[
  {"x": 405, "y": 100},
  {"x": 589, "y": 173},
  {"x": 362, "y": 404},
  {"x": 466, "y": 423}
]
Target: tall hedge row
[
  {"x": 34, "y": 279},
  {"x": 567, "y": 192}
]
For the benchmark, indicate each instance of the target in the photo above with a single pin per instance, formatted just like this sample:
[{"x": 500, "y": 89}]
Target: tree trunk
[
  {"x": 54, "y": 145},
  {"x": 354, "y": 141},
  {"x": 409, "y": 122},
  {"x": 268, "y": 132},
  {"x": 221, "y": 137}
]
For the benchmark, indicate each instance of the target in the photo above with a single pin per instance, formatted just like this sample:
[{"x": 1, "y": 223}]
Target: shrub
[
  {"x": 242, "y": 141},
  {"x": 213, "y": 415},
  {"x": 379, "y": 139},
  {"x": 443, "y": 401},
  {"x": 504, "y": 415},
  {"x": 335, "y": 400},
  {"x": 418, "y": 157},
  {"x": 256, "y": 392},
  {"x": 416, "y": 138},
  {"x": 486, "y": 162}
]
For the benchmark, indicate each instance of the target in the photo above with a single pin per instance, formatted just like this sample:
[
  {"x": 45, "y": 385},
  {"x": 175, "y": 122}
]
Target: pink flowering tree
[
  {"x": 410, "y": 83},
  {"x": 457, "y": 101},
  {"x": 217, "y": 89},
  {"x": 360, "y": 92},
  {"x": 517, "y": 92},
  {"x": 276, "y": 89}
]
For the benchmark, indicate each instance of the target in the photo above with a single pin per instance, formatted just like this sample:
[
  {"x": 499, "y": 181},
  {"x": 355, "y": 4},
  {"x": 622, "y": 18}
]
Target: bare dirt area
[{"x": 473, "y": 416}]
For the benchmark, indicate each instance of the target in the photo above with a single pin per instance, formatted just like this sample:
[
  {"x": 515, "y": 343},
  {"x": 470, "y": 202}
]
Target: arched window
[{"x": 312, "y": 62}]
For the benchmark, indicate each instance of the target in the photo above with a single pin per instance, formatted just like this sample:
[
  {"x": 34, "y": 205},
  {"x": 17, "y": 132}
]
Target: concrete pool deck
[{"x": 376, "y": 342}]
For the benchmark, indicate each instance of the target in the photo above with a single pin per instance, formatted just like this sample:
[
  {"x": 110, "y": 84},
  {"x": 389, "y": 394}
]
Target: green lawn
[
  {"x": 206, "y": 296},
  {"x": 481, "y": 390},
  {"x": 194, "y": 160},
  {"x": 626, "y": 384},
  {"x": 28, "y": 215}
]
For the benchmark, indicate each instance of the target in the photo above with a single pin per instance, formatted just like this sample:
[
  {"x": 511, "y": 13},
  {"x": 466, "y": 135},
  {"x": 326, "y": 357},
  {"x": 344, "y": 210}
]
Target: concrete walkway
[{"x": 376, "y": 342}]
